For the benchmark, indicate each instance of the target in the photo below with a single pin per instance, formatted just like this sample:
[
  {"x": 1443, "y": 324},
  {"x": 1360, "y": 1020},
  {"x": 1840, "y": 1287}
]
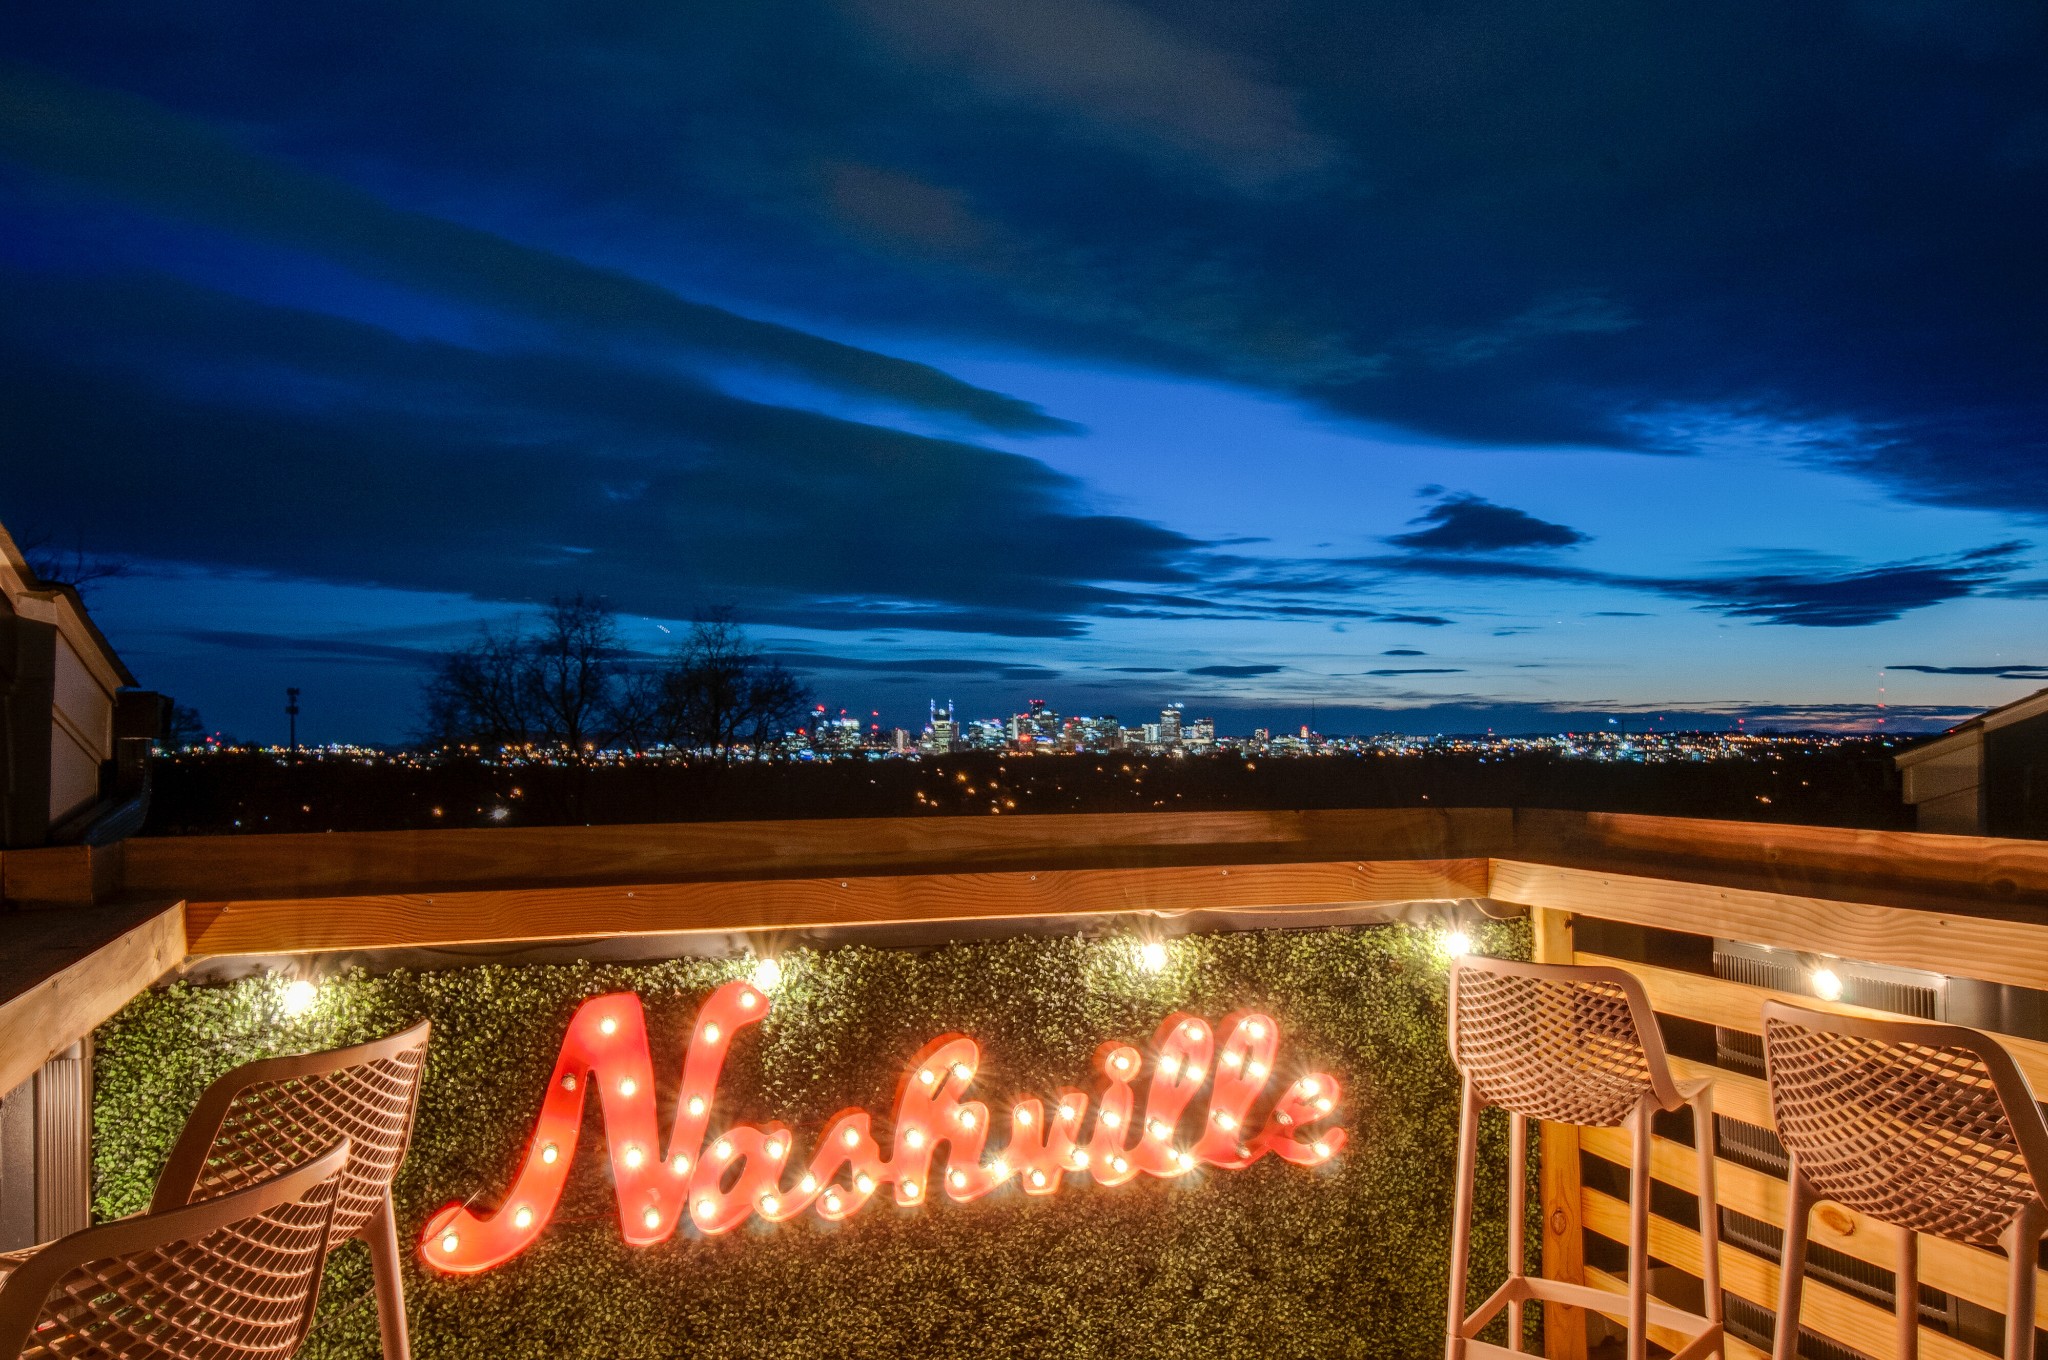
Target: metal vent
[
  {"x": 1750, "y": 1146},
  {"x": 1904, "y": 991}
]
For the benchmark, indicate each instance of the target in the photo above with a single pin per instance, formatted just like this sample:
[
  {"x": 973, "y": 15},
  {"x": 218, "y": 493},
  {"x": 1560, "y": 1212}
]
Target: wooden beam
[
  {"x": 1716, "y": 1001},
  {"x": 380, "y": 863},
  {"x": 295, "y": 925},
  {"x": 1826, "y": 1310},
  {"x": 66, "y": 972},
  {"x": 2010, "y": 952},
  {"x": 1965, "y": 1271},
  {"x": 1735, "y": 1094},
  {"x": 1963, "y": 875},
  {"x": 1564, "y": 1238}
]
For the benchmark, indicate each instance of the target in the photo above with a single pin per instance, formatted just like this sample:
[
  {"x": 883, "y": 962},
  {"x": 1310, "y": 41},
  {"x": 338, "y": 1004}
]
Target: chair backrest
[
  {"x": 1926, "y": 1126},
  {"x": 233, "y": 1278},
  {"x": 1563, "y": 1042},
  {"x": 264, "y": 1117}
]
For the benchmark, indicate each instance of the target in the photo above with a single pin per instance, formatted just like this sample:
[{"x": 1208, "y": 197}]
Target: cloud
[
  {"x": 1468, "y": 523},
  {"x": 148, "y": 155},
  {"x": 326, "y": 648},
  {"x": 919, "y": 665},
  {"x": 1419, "y": 670},
  {"x": 1404, "y": 651},
  {"x": 2017, "y": 670},
  {"x": 1236, "y": 672}
]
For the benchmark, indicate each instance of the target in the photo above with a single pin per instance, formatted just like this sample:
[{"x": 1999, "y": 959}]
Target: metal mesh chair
[
  {"x": 1572, "y": 1045},
  {"x": 266, "y": 1116},
  {"x": 1928, "y": 1127},
  {"x": 233, "y": 1278}
]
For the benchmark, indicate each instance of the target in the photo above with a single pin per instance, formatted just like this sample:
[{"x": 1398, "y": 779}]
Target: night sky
[{"x": 1427, "y": 366}]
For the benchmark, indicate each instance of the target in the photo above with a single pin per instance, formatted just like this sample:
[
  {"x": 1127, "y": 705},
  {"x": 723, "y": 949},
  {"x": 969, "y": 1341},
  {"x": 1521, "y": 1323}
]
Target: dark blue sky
[{"x": 1434, "y": 365}]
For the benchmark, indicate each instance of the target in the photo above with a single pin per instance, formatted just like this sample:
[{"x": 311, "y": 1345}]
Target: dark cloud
[
  {"x": 916, "y": 665},
  {"x": 2015, "y": 671},
  {"x": 1404, "y": 651},
  {"x": 1419, "y": 670},
  {"x": 344, "y": 648},
  {"x": 1468, "y": 523},
  {"x": 1244, "y": 672}
]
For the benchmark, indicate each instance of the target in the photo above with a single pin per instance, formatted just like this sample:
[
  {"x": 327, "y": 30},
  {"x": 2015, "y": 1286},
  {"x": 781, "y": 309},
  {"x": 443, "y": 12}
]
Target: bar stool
[
  {"x": 1572, "y": 1045},
  {"x": 1928, "y": 1127}
]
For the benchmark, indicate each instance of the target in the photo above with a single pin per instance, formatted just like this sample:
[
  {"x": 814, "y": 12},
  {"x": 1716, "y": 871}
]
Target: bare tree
[
  {"x": 183, "y": 728},
  {"x": 77, "y": 568},
  {"x": 716, "y": 692},
  {"x": 557, "y": 686}
]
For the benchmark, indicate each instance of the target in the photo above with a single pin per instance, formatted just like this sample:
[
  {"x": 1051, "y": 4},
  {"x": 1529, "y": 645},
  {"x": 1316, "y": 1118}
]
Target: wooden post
[{"x": 1564, "y": 1241}]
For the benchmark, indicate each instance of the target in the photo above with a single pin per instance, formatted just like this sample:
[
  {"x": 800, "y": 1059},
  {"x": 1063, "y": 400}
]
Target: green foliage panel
[{"x": 1344, "y": 1260}]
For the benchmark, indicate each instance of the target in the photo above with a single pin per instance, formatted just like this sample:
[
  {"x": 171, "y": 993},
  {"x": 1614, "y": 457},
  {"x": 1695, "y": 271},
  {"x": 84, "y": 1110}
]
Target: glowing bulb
[
  {"x": 966, "y": 1118},
  {"x": 1232, "y": 1060},
  {"x": 807, "y": 1184},
  {"x": 910, "y": 1189},
  {"x": 1121, "y": 1062},
  {"x": 832, "y": 1203},
  {"x": 959, "y": 1179},
  {"x": 711, "y": 1034},
  {"x": 851, "y": 1138},
  {"x": 774, "y": 1148},
  {"x": 1184, "y": 1159},
  {"x": 1080, "y": 1158},
  {"x": 679, "y": 1164},
  {"x": 1322, "y": 1149},
  {"x": 864, "y": 1183},
  {"x": 1023, "y": 1116},
  {"x": 706, "y": 1208},
  {"x": 1195, "y": 1033},
  {"x": 770, "y": 1204},
  {"x": 1256, "y": 1030},
  {"x": 1323, "y": 1106},
  {"x": 607, "y": 1026},
  {"x": 927, "y": 1076},
  {"x": 522, "y": 1217},
  {"x": 1225, "y": 1120},
  {"x": 449, "y": 1242},
  {"x": 1194, "y": 1073},
  {"x": 961, "y": 1071},
  {"x": 913, "y": 1138},
  {"x": 1152, "y": 956},
  {"x": 1110, "y": 1119},
  {"x": 721, "y": 1149},
  {"x": 1066, "y": 1112},
  {"x": 767, "y": 974},
  {"x": 568, "y": 1081},
  {"x": 628, "y": 1087},
  {"x": 1457, "y": 944},
  {"x": 652, "y": 1218},
  {"x": 299, "y": 996},
  {"x": 696, "y": 1105},
  {"x": 1827, "y": 984},
  {"x": 1119, "y": 1165},
  {"x": 1310, "y": 1087},
  {"x": 1038, "y": 1178},
  {"x": 1159, "y": 1130},
  {"x": 548, "y": 1153},
  {"x": 633, "y": 1156},
  {"x": 1170, "y": 1065},
  {"x": 1000, "y": 1169},
  {"x": 1255, "y": 1070},
  {"x": 748, "y": 1001}
]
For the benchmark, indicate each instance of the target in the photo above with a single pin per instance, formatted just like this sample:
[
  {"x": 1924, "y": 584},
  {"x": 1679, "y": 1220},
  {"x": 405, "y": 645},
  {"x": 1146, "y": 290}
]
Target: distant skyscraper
[
  {"x": 943, "y": 735},
  {"x": 1169, "y": 725}
]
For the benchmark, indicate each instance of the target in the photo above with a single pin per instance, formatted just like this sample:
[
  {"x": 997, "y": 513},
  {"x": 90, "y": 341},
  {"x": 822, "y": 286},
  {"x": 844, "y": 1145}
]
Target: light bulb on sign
[
  {"x": 1110, "y": 1119},
  {"x": 807, "y": 1184},
  {"x": 1023, "y": 1116},
  {"x": 696, "y": 1105},
  {"x": 633, "y": 1156},
  {"x": 652, "y": 1218},
  {"x": 711, "y": 1034},
  {"x": 774, "y": 1149},
  {"x": 864, "y": 1183},
  {"x": 522, "y": 1217},
  {"x": 851, "y": 1137},
  {"x": 770, "y": 1204},
  {"x": 959, "y": 1179},
  {"x": 449, "y": 1242},
  {"x": 607, "y": 1027},
  {"x": 914, "y": 1138},
  {"x": 1170, "y": 1065},
  {"x": 628, "y": 1087},
  {"x": 721, "y": 1149},
  {"x": 680, "y": 1164},
  {"x": 548, "y": 1153},
  {"x": 961, "y": 1071},
  {"x": 1827, "y": 984}
]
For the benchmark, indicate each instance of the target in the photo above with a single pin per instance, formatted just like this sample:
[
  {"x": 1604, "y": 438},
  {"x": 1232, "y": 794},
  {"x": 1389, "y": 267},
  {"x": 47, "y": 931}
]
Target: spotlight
[
  {"x": 1152, "y": 956},
  {"x": 1457, "y": 944},
  {"x": 767, "y": 975},
  {"x": 299, "y": 996},
  {"x": 1827, "y": 984}
]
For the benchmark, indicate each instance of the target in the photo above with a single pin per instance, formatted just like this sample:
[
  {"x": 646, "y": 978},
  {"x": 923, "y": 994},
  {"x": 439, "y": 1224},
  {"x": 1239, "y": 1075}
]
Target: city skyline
[{"x": 1484, "y": 367}]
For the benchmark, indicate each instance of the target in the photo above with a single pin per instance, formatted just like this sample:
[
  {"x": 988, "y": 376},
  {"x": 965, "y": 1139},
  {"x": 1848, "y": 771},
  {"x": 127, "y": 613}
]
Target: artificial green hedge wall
[{"x": 1276, "y": 1260}]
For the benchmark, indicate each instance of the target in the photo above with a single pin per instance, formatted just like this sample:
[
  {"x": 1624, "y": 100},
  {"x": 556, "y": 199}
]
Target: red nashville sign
[{"x": 745, "y": 1170}]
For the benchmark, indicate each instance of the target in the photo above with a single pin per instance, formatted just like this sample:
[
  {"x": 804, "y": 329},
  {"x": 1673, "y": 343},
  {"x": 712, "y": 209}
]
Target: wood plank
[
  {"x": 1825, "y": 1310},
  {"x": 65, "y": 975},
  {"x": 1967, "y": 1272},
  {"x": 1564, "y": 1239},
  {"x": 295, "y": 925},
  {"x": 216, "y": 868},
  {"x": 1737, "y": 1348},
  {"x": 1716, "y": 1001},
  {"x": 2010, "y": 952},
  {"x": 1736, "y": 1095},
  {"x": 1965, "y": 875}
]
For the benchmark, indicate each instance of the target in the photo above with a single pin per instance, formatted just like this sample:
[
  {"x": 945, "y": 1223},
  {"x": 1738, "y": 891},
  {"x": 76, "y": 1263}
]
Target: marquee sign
[{"x": 745, "y": 1170}]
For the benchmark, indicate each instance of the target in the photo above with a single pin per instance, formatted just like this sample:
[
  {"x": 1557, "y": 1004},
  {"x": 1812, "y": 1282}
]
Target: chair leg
[
  {"x": 1799, "y": 1201},
  {"x": 1906, "y": 1290},
  {"x": 381, "y": 1232},
  {"x": 1518, "y": 1209},
  {"x": 1710, "y": 1201},
  {"x": 2022, "y": 1242},
  {"x": 1639, "y": 1233},
  {"x": 1461, "y": 1220}
]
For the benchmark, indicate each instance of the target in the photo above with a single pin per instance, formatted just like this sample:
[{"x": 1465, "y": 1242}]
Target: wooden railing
[{"x": 1965, "y": 907}]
